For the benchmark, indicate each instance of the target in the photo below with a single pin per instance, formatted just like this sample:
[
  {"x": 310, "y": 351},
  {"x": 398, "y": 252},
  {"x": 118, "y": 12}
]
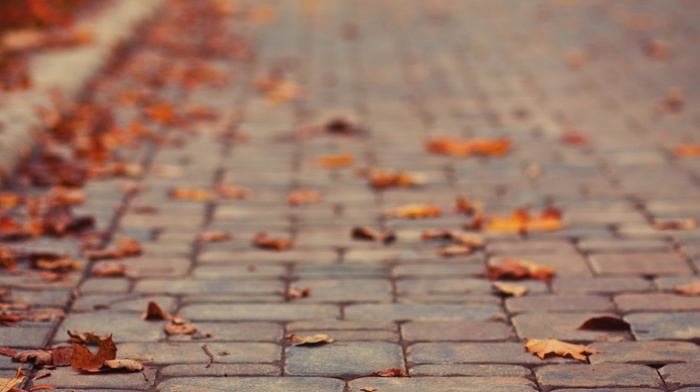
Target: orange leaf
[
  {"x": 9, "y": 200},
  {"x": 41, "y": 387},
  {"x": 455, "y": 250},
  {"x": 8, "y": 384},
  {"x": 381, "y": 179},
  {"x": 509, "y": 289},
  {"x": 293, "y": 293},
  {"x": 214, "y": 236},
  {"x": 465, "y": 206},
  {"x": 674, "y": 224},
  {"x": 192, "y": 194},
  {"x": 261, "y": 240},
  {"x": 454, "y": 147},
  {"x": 542, "y": 348},
  {"x": 109, "y": 270},
  {"x": 333, "y": 161},
  {"x": 414, "y": 211},
  {"x": 303, "y": 196},
  {"x": 692, "y": 288},
  {"x": 313, "y": 340},
  {"x": 155, "y": 312},
  {"x": 683, "y": 151},
  {"x": 367, "y": 234},
  {"x": 84, "y": 360},
  {"x": 519, "y": 269},
  {"x": 161, "y": 112},
  {"x": 393, "y": 372},
  {"x": 233, "y": 192}
]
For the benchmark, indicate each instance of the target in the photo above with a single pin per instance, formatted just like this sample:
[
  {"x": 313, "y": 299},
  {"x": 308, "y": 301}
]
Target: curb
[{"x": 67, "y": 71}]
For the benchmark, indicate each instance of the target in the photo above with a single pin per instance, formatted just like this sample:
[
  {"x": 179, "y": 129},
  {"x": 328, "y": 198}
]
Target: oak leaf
[
  {"x": 509, "y": 289},
  {"x": 86, "y": 361},
  {"x": 312, "y": 340},
  {"x": 155, "y": 313},
  {"x": 543, "y": 348},
  {"x": 263, "y": 241},
  {"x": 519, "y": 269},
  {"x": 414, "y": 211},
  {"x": 605, "y": 323},
  {"x": 692, "y": 288}
]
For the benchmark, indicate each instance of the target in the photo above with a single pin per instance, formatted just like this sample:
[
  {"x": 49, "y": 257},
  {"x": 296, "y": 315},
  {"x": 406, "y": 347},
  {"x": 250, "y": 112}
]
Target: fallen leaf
[
  {"x": 90, "y": 338},
  {"x": 576, "y": 58},
  {"x": 575, "y": 138},
  {"x": 342, "y": 126},
  {"x": 122, "y": 364},
  {"x": 674, "y": 224},
  {"x": 312, "y": 340},
  {"x": 466, "y": 239},
  {"x": 37, "y": 357},
  {"x": 521, "y": 222},
  {"x": 508, "y": 289},
  {"x": 333, "y": 161},
  {"x": 657, "y": 49},
  {"x": 692, "y": 288},
  {"x": 367, "y": 234},
  {"x": 545, "y": 347},
  {"x": 303, "y": 196},
  {"x": 687, "y": 151},
  {"x": 123, "y": 247},
  {"x": 368, "y": 389},
  {"x": 86, "y": 361},
  {"x": 103, "y": 270},
  {"x": 155, "y": 313},
  {"x": 414, "y": 211},
  {"x": 468, "y": 207},
  {"x": 9, "y": 200},
  {"x": 455, "y": 250},
  {"x": 261, "y": 240},
  {"x": 227, "y": 191},
  {"x": 8, "y": 352},
  {"x": 393, "y": 372},
  {"x": 455, "y": 147},
  {"x": 383, "y": 179},
  {"x": 40, "y": 376},
  {"x": 41, "y": 387},
  {"x": 179, "y": 328},
  {"x": 10, "y": 319},
  {"x": 8, "y": 384},
  {"x": 191, "y": 194},
  {"x": 293, "y": 293},
  {"x": 63, "y": 264},
  {"x": 674, "y": 101},
  {"x": 214, "y": 236},
  {"x": 160, "y": 112},
  {"x": 61, "y": 356},
  {"x": 519, "y": 269},
  {"x": 605, "y": 323}
]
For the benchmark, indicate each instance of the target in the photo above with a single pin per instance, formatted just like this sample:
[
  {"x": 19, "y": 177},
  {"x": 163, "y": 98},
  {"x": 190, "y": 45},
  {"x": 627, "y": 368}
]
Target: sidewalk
[{"x": 220, "y": 111}]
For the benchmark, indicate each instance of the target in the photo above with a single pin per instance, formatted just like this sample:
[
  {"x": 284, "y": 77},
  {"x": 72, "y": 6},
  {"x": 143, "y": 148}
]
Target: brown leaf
[
  {"x": 191, "y": 194},
  {"x": 61, "y": 356},
  {"x": 687, "y": 151},
  {"x": 455, "y": 250},
  {"x": 465, "y": 239},
  {"x": 368, "y": 389},
  {"x": 576, "y": 58},
  {"x": 466, "y": 206},
  {"x": 692, "y": 288},
  {"x": 342, "y": 126},
  {"x": 605, "y": 323},
  {"x": 179, "y": 329},
  {"x": 293, "y": 293},
  {"x": 383, "y": 179},
  {"x": 519, "y": 269},
  {"x": 367, "y": 234},
  {"x": 455, "y": 147},
  {"x": 414, "y": 211},
  {"x": 61, "y": 265},
  {"x": 214, "y": 236},
  {"x": 227, "y": 191},
  {"x": 86, "y": 361},
  {"x": 508, "y": 289},
  {"x": 657, "y": 49},
  {"x": 41, "y": 387},
  {"x": 543, "y": 348},
  {"x": 123, "y": 247},
  {"x": 303, "y": 196},
  {"x": 674, "y": 224},
  {"x": 122, "y": 364},
  {"x": 8, "y": 384},
  {"x": 261, "y": 240},
  {"x": 89, "y": 338},
  {"x": 8, "y": 352},
  {"x": 312, "y": 340},
  {"x": 155, "y": 313},
  {"x": 575, "y": 138},
  {"x": 333, "y": 161},
  {"x": 393, "y": 372},
  {"x": 10, "y": 319},
  {"x": 674, "y": 101},
  {"x": 37, "y": 357},
  {"x": 109, "y": 270}
]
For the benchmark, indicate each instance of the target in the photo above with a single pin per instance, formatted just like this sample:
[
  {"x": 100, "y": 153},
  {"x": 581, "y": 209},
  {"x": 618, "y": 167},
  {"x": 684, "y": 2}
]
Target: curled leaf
[
  {"x": 519, "y": 269},
  {"x": 155, "y": 313},
  {"x": 605, "y": 323},
  {"x": 333, "y": 161},
  {"x": 261, "y": 240},
  {"x": 293, "y": 293},
  {"x": 543, "y": 348},
  {"x": 508, "y": 289},
  {"x": 312, "y": 340},
  {"x": 393, "y": 372},
  {"x": 692, "y": 288},
  {"x": 414, "y": 211}
]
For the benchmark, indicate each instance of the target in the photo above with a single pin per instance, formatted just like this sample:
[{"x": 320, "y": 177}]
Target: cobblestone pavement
[{"x": 533, "y": 71}]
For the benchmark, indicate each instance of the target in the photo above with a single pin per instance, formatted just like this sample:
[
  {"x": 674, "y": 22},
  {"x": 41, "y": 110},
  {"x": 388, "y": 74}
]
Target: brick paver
[{"x": 580, "y": 88}]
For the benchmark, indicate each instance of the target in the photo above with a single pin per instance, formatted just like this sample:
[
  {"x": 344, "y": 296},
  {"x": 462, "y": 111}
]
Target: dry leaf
[
  {"x": 576, "y": 58},
  {"x": 303, "y": 196},
  {"x": 103, "y": 270},
  {"x": 674, "y": 101},
  {"x": 414, "y": 211},
  {"x": 674, "y": 224},
  {"x": 9, "y": 200},
  {"x": 62, "y": 265},
  {"x": 575, "y": 138},
  {"x": 542, "y": 348},
  {"x": 123, "y": 247},
  {"x": 312, "y": 340},
  {"x": 179, "y": 328},
  {"x": 455, "y": 147},
  {"x": 293, "y": 293},
  {"x": 367, "y": 234},
  {"x": 7, "y": 384},
  {"x": 466, "y": 206},
  {"x": 368, "y": 389},
  {"x": 122, "y": 364},
  {"x": 227, "y": 191},
  {"x": 692, "y": 288},
  {"x": 465, "y": 239},
  {"x": 687, "y": 151},
  {"x": 41, "y": 387},
  {"x": 155, "y": 313},
  {"x": 261, "y": 240},
  {"x": 90, "y": 338},
  {"x": 191, "y": 194},
  {"x": 214, "y": 236},
  {"x": 509, "y": 289},
  {"x": 393, "y": 372},
  {"x": 86, "y": 361},
  {"x": 333, "y": 161},
  {"x": 521, "y": 222},
  {"x": 61, "y": 356},
  {"x": 37, "y": 357},
  {"x": 383, "y": 179},
  {"x": 605, "y": 323},
  {"x": 519, "y": 269},
  {"x": 455, "y": 250},
  {"x": 10, "y": 319},
  {"x": 657, "y": 49}
]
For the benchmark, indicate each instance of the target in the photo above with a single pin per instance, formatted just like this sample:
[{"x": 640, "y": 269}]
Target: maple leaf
[
  {"x": 261, "y": 240},
  {"x": 393, "y": 372},
  {"x": 155, "y": 313},
  {"x": 414, "y": 211},
  {"x": 683, "y": 151},
  {"x": 333, "y": 161},
  {"x": 545, "y": 347},
  {"x": 8, "y": 384},
  {"x": 214, "y": 236},
  {"x": 674, "y": 224},
  {"x": 312, "y": 340},
  {"x": 303, "y": 196},
  {"x": 692, "y": 288},
  {"x": 509, "y": 289},
  {"x": 86, "y": 361},
  {"x": 605, "y": 323},
  {"x": 519, "y": 269}
]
